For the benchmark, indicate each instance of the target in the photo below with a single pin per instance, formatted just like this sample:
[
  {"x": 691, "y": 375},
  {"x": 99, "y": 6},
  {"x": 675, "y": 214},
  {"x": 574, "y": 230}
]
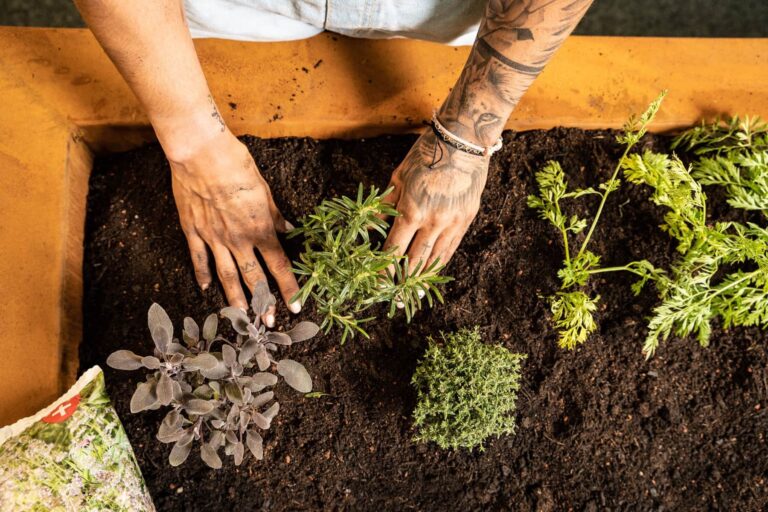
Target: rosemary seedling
[{"x": 346, "y": 272}]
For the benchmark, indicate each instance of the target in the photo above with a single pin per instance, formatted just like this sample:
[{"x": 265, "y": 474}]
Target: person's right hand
[{"x": 224, "y": 203}]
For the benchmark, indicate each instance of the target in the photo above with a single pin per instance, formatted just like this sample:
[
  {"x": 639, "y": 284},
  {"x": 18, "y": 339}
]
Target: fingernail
[
  {"x": 204, "y": 286},
  {"x": 295, "y": 307},
  {"x": 244, "y": 310},
  {"x": 289, "y": 227},
  {"x": 270, "y": 320},
  {"x": 399, "y": 305},
  {"x": 421, "y": 294}
]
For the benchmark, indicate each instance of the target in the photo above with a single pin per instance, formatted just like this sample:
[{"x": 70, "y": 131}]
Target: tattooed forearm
[
  {"x": 437, "y": 188},
  {"x": 515, "y": 41}
]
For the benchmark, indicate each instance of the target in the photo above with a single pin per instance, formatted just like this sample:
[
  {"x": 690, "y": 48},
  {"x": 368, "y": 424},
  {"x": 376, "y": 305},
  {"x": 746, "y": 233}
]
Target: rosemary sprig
[{"x": 346, "y": 272}]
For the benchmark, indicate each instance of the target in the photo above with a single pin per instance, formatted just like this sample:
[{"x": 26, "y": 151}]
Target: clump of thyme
[
  {"x": 345, "y": 272},
  {"x": 466, "y": 391},
  {"x": 572, "y": 307},
  {"x": 216, "y": 388}
]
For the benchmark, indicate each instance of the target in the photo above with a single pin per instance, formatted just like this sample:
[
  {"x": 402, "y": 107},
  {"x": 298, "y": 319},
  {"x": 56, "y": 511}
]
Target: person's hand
[
  {"x": 437, "y": 192},
  {"x": 224, "y": 203}
]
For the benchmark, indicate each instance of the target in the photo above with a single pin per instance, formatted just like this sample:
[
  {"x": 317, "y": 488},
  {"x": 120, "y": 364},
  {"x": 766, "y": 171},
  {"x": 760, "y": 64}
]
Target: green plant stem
[
  {"x": 603, "y": 200},
  {"x": 743, "y": 278},
  {"x": 565, "y": 244},
  {"x": 626, "y": 268}
]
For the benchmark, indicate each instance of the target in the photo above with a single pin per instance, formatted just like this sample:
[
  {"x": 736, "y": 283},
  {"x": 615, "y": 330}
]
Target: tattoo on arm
[
  {"x": 515, "y": 41},
  {"x": 438, "y": 176},
  {"x": 216, "y": 114}
]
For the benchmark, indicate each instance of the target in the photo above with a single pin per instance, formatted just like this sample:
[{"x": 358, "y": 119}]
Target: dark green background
[{"x": 698, "y": 18}]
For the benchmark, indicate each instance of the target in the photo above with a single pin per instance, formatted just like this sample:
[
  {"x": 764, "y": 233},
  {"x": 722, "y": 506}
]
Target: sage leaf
[
  {"x": 255, "y": 444},
  {"x": 238, "y": 317},
  {"x": 261, "y": 421},
  {"x": 262, "y": 359},
  {"x": 124, "y": 360},
  {"x": 234, "y": 392},
  {"x": 295, "y": 375},
  {"x": 265, "y": 379},
  {"x": 179, "y": 453},
  {"x": 262, "y": 399},
  {"x": 217, "y": 439},
  {"x": 303, "y": 331},
  {"x": 272, "y": 411},
  {"x": 199, "y": 407},
  {"x": 248, "y": 350},
  {"x": 201, "y": 362},
  {"x": 279, "y": 338},
  {"x": 150, "y": 362},
  {"x": 262, "y": 298},
  {"x": 210, "y": 327},
  {"x": 239, "y": 453},
  {"x": 157, "y": 318},
  {"x": 144, "y": 397},
  {"x": 220, "y": 371},
  {"x": 229, "y": 355},
  {"x": 209, "y": 456},
  {"x": 162, "y": 338},
  {"x": 170, "y": 428},
  {"x": 178, "y": 390},
  {"x": 164, "y": 389},
  {"x": 191, "y": 330}
]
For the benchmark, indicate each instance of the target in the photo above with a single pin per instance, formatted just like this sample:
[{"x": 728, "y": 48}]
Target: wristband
[{"x": 460, "y": 143}]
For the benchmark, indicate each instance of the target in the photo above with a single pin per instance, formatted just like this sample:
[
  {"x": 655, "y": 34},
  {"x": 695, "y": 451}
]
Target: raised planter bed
[
  {"x": 599, "y": 427},
  {"x": 63, "y": 100}
]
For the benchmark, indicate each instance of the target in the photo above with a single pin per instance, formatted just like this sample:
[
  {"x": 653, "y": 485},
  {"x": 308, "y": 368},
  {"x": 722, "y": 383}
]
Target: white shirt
[{"x": 453, "y": 22}]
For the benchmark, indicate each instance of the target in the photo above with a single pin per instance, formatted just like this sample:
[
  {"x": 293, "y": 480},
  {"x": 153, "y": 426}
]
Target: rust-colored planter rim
[{"x": 62, "y": 100}]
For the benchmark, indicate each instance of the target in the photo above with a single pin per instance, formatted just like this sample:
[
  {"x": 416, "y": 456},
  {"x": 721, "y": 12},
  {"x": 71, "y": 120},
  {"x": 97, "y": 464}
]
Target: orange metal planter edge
[{"x": 62, "y": 99}]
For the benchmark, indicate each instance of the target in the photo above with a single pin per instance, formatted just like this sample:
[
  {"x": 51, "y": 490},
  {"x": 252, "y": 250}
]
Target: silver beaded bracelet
[{"x": 462, "y": 144}]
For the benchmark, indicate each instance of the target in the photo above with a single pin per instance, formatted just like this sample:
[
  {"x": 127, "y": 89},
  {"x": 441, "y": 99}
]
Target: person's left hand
[{"x": 437, "y": 192}]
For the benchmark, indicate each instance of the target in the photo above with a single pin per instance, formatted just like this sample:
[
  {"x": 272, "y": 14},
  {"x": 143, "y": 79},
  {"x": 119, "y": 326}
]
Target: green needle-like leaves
[{"x": 346, "y": 273}]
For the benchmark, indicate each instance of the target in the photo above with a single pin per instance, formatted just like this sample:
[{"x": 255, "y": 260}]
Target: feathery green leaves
[
  {"x": 721, "y": 270},
  {"x": 733, "y": 154},
  {"x": 572, "y": 308},
  {"x": 722, "y": 267}
]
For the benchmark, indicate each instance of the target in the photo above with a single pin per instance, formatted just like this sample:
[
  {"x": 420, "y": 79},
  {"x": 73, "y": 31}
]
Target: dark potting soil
[{"x": 600, "y": 428}]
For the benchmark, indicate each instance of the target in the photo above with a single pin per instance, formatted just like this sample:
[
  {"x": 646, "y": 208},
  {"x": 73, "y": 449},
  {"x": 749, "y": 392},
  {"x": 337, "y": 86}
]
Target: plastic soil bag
[{"x": 71, "y": 456}]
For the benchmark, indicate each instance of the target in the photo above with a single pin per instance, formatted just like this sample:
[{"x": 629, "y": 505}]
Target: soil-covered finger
[
  {"x": 198, "y": 251},
  {"x": 280, "y": 268},
  {"x": 229, "y": 276}
]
